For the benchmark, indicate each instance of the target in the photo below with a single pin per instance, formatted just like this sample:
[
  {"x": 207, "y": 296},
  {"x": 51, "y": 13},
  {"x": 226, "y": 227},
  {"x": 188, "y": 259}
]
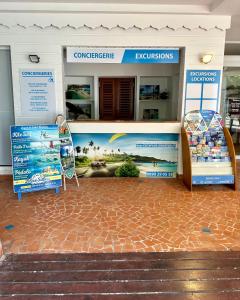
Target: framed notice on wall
[{"x": 37, "y": 92}]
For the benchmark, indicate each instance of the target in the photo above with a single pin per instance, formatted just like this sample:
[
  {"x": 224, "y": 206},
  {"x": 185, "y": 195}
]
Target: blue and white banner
[
  {"x": 123, "y": 56},
  {"x": 202, "y": 90},
  {"x": 35, "y": 158}
]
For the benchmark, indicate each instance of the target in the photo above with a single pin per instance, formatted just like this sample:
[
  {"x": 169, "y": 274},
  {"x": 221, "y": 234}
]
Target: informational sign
[
  {"x": 122, "y": 56},
  {"x": 126, "y": 155},
  {"x": 37, "y": 90},
  {"x": 211, "y": 163},
  {"x": 202, "y": 90},
  {"x": 35, "y": 158},
  {"x": 233, "y": 107}
]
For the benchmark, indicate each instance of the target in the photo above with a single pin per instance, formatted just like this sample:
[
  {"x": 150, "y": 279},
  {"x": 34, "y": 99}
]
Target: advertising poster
[
  {"x": 37, "y": 91},
  {"x": 125, "y": 155},
  {"x": 35, "y": 158}
]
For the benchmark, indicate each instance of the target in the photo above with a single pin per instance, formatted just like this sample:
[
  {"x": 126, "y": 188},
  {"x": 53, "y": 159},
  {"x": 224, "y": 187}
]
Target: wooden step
[{"x": 180, "y": 275}]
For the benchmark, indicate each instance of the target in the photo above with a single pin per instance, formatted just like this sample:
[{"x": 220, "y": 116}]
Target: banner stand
[
  {"x": 57, "y": 191},
  {"x": 35, "y": 158}
]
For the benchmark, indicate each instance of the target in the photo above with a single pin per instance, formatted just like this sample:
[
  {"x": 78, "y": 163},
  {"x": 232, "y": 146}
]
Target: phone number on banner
[{"x": 159, "y": 174}]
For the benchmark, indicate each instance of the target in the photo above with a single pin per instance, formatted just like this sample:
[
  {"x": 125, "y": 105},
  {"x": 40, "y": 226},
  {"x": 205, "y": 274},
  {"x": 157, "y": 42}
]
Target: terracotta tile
[{"x": 120, "y": 215}]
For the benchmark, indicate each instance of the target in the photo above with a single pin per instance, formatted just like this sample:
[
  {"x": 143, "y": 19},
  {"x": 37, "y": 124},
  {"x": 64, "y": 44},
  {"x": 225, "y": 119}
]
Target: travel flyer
[
  {"x": 206, "y": 138},
  {"x": 35, "y": 157},
  {"x": 66, "y": 147}
]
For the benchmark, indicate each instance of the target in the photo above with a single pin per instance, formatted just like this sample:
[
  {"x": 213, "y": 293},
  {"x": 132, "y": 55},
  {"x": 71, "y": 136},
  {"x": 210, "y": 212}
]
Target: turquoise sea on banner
[
  {"x": 164, "y": 166},
  {"x": 126, "y": 155}
]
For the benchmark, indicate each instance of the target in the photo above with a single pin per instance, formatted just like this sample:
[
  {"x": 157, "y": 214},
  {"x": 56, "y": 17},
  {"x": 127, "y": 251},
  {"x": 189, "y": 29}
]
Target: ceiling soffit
[{"x": 113, "y": 20}]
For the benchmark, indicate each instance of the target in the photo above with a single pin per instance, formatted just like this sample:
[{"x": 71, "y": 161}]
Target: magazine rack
[{"x": 195, "y": 172}]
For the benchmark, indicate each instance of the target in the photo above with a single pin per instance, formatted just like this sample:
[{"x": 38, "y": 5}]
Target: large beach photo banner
[{"x": 126, "y": 155}]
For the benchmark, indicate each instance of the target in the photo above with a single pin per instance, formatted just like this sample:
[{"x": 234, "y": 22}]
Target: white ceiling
[
  {"x": 160, "y": 2},
  {"x": 209, "y": 7},
  {"x": 226, "y": 7}
]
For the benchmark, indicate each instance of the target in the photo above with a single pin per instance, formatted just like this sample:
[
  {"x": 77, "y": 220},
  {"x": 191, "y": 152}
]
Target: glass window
[{"x": 231, "y": 104}]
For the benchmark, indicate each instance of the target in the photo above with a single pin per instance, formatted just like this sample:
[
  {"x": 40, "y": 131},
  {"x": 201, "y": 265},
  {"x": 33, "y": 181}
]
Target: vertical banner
[
  {"x": 37, "y": 92},
  {"x": 202, "y": 90},
  {"x": 35, "y": 158}
]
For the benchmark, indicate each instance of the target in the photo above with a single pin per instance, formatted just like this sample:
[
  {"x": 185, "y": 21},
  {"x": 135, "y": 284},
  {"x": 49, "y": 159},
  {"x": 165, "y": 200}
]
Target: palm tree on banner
[{"x": 78, "y": 150}]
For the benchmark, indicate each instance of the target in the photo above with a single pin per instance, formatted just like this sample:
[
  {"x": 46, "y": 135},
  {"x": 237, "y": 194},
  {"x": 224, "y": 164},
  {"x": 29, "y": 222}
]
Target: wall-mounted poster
[
  {"x": 150, "y": 114},
  {"x": 78, "y": 111},
  {"x": 35, "y": 158},
  {"x": 78, "y": 91},
  {"x": 149, "y": 92},
  {"x": 125, "y": 155},
  {"x": 37, "y": 92}
]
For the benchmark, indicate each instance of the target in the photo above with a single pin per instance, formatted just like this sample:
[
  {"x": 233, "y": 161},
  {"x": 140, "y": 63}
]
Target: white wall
[{"x": 48, "y": 43}]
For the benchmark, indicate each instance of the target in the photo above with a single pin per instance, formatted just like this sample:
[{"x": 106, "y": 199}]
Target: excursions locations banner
[
  {"x": 35, "y": 157},
  {"x": 202, "y": 90},
  {"x": 125, "y": 155}
]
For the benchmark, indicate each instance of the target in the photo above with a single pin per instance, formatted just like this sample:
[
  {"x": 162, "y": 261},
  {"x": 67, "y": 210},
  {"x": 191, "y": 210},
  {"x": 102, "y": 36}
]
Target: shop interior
[
  {"x": 230, "y": 104},
  {"x": 121, "y": 92}
]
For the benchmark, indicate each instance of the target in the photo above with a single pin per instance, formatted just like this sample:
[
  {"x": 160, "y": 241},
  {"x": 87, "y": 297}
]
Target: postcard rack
[{"x": 208, "y": 155}]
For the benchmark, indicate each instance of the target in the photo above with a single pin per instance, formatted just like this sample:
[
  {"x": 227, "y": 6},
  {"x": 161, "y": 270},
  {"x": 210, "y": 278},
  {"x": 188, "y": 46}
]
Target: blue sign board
[
  {"x": 203, "y": 76},
  {"x": 35, "y": 158},
  {"x": 202, "y": 90},
  {"x": 147, "y": 56},
  {"x": 213, "y": 179},
  {"x": 123, "y": 56}
]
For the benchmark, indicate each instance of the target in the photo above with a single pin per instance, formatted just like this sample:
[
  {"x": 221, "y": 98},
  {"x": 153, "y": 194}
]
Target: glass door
[
  {"x": 6, "y": 106},
  {"x": 230, "y": 107}
]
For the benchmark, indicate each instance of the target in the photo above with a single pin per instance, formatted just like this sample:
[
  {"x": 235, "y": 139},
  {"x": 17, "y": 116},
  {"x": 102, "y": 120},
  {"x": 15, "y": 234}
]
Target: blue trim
[{"x": 201, "y": 102}]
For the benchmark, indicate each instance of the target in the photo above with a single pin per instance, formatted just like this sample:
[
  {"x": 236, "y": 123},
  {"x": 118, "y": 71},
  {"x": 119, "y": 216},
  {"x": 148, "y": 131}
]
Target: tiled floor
[{"x": 121, "y": 215}]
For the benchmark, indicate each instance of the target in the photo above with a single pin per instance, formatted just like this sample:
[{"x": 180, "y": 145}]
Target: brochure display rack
[
  {"x": 208, "y": 151},
  {"x": 35, "y": 158},
  {"x": 66, "y": 150}
]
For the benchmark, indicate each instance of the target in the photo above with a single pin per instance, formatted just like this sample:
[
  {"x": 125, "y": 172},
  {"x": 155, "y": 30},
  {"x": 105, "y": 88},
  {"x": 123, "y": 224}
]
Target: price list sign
[{"x": 35, "y": 158}]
